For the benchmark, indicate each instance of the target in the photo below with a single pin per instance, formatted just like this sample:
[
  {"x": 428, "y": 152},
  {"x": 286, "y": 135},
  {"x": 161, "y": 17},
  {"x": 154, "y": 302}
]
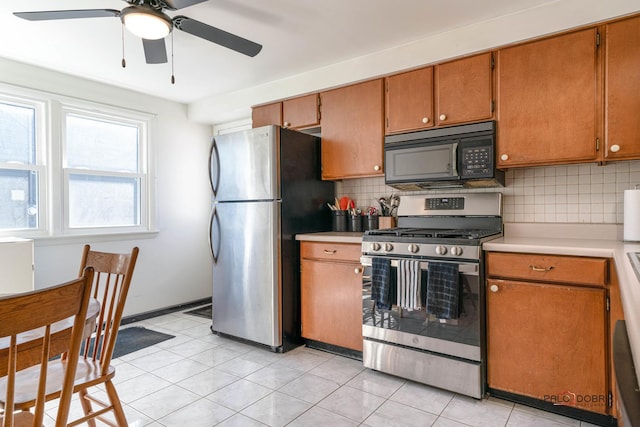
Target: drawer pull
[
  {"x": 330, "y": 252},
  {"x": 357, "y": 270},
  {"x": 534, "y": 268}
]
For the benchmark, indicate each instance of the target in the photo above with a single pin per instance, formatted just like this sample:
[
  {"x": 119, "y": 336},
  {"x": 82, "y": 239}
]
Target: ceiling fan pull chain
[
  {"x": 173, "y": 77},
  {"x": 124, "y": 63}
]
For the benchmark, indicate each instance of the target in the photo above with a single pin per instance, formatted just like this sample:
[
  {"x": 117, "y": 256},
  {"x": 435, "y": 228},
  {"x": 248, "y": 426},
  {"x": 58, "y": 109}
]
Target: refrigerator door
[
  {"x": 246, "y": 272},
  {"x": 244, "y": 165}
]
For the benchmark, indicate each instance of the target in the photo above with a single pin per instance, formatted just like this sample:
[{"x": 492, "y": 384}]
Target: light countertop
[{"x": 332, "y": 236}]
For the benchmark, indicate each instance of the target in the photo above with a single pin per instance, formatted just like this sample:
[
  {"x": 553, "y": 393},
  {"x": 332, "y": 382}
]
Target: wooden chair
[
  {"x": 111, "y": 282},
  {"x": 37, "y": 316},
  {"x": 112, "y": 278}
]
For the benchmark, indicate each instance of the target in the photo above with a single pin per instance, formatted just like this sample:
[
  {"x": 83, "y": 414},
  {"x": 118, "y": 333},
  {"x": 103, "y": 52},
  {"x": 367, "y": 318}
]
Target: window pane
[
  {"x": 100, "y": 145},
  {"x": 17, "y": 134},
  {"x": 18, "y": 199},
  {"x": 103, "y": 201}
]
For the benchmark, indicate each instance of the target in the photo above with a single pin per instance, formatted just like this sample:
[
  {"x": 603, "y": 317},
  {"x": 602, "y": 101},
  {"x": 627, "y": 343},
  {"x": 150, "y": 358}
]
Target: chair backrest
[
  {"x": 111, "y": 282},
  {"x": 39, "y": 310}
]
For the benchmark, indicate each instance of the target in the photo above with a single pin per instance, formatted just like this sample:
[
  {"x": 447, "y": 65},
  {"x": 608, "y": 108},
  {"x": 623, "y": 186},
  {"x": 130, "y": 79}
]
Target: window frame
[{"x": 53, "y": 176}]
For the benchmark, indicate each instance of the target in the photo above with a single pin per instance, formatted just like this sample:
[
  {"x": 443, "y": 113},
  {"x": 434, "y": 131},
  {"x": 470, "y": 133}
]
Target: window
[
  {"x": 87, "y": 176},
  {"x": 20, "y": 164},
  {"x": 103, "y": 174}
]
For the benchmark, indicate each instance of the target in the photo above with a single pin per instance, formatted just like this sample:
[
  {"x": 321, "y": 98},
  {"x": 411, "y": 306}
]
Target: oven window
[{"x": 463, "y": 330}]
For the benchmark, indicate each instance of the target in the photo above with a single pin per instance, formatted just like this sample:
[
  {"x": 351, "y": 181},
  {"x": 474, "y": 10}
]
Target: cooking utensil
[{"x": 344, "y": 203}]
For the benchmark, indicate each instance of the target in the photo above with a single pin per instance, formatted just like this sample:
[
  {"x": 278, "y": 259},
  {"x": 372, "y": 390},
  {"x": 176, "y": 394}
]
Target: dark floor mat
[
  {"x": 201, "y": 312},
  {"x": 136, "y": 338}
]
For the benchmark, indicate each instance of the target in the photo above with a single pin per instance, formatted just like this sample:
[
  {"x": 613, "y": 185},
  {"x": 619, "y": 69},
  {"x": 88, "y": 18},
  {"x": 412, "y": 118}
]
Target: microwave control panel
[{"x": 476, "y": 161}]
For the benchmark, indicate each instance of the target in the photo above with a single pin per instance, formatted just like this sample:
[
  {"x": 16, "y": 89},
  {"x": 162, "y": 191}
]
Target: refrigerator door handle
[
  {"x": 214, "y": 167},
  {"x": 214, "y": 221}
]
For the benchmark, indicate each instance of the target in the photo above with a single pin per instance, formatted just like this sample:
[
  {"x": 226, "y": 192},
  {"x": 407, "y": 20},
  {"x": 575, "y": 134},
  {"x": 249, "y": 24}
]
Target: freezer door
[
  {"x": 246, "y": 271},
  {"x": 244, "y": 165}
]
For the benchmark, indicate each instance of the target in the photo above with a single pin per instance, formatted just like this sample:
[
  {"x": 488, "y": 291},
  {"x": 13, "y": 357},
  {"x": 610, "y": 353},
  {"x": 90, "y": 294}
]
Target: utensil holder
[
  {"x": 339, "y": 220},
  {"x": 371, "y": 222},
  {"x": 355, "y": 223}
]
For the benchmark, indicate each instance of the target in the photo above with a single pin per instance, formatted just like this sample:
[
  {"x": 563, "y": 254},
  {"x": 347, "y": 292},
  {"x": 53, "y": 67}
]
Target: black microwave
[{"x": 451, "y": 157}]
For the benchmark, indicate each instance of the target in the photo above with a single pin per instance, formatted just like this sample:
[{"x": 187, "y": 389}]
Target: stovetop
[{"x": 439, "y": 226}]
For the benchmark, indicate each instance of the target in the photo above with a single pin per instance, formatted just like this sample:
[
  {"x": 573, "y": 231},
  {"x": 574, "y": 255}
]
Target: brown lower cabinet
[
  {"x": 548, "y": 329},
  {"x": 331, "y": 293}
]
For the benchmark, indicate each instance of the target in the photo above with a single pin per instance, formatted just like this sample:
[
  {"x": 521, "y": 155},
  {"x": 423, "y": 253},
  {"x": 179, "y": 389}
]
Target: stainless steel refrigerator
[{"x": 266, "y": 189}]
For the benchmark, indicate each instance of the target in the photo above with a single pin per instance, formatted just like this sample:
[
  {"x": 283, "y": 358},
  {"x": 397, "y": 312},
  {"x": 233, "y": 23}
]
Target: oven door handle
[{"x": 464, "y": 268}]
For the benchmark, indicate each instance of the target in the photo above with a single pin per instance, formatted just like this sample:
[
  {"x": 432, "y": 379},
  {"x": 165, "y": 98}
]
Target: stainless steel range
[{"x": 424, "y": 290}]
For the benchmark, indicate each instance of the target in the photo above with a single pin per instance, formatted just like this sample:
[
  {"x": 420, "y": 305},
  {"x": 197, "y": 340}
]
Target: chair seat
[
  {"x": 87, "y": 375},
  {"x": 21, "y": 419}
]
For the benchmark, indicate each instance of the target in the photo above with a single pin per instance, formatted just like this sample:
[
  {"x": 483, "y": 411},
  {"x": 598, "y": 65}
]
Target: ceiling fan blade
[
  {"x": 179, "y": 4},
  {"x": 47, "y": 15},
  {"x": 216, "y": 35},
  {"x": 155, "y": 51}
]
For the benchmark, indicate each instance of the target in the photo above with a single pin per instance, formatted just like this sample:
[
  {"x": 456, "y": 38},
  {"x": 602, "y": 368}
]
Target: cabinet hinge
[
  {"x": 597, "y": 144},
  {"x": 386, "y": 86},
  {"x": 387, "y": 122},
  {"x": 610, "y": 400},
  {"x": 608, "y": 304},
  {"x": 597, "y": 38},
  {"x": 493, "y": 106},
  {"x": 493, "y": 62}
]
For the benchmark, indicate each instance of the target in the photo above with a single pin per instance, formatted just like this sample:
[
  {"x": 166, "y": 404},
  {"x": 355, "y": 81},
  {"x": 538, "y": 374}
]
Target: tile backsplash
[{"x": 585, "y": 193}]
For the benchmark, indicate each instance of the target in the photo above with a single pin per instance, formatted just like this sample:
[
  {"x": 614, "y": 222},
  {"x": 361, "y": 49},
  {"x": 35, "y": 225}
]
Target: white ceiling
[{"x": 297, "y": 35}]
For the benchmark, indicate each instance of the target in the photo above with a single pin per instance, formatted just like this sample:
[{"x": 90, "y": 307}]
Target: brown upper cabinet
[
  {"x": 548, "y": 96},
  {"x": 353, "y": 131},
  {"x": 450, "y": 93},
  {"x": 268, "y": 114},
  {"x": 296, "y": 113},
  {"x": 622, "y": 89},
  {"x": 302, "y": 112}
]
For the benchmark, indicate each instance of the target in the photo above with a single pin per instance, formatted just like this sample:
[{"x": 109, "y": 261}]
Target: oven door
[{"x": 460, "y": 338}]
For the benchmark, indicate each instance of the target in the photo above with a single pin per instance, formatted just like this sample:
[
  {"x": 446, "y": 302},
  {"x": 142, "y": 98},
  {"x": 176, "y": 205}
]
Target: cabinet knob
[
  {"x": 287, "y": 124},
  {"x": 443, "y": 117},
  {"x": 425, "y": 120},
  {"x": 504, "y": 157},
  {"x": 614, "y": 148},
  {"x": 357, "y": 270},
  {"x": 376, "y": 168},
  {"x": 494, "y": 288}
]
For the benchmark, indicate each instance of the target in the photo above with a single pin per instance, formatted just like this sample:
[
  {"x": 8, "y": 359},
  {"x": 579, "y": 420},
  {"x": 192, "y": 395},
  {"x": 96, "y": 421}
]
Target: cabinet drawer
[
  {"x": 330, "y": 251},
  {"x": 548, "y": 268}
]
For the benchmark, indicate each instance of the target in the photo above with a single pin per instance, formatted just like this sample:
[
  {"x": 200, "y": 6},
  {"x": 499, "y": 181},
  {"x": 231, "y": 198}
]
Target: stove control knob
[
  {"x": 413, "y": 248},
  {"x": 441, "y": 250},
  {"x": 375, "y": 246},
  {"x": 456, "y": 250},
  {"x": 388, "y": 247}
]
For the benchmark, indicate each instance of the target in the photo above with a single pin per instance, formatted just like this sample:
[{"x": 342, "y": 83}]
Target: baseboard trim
[{"x": 160, "y": 312}]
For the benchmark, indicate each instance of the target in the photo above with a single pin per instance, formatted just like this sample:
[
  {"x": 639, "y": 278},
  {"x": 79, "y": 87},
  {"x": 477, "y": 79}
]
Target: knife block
[{"x": 386, "y": 222}]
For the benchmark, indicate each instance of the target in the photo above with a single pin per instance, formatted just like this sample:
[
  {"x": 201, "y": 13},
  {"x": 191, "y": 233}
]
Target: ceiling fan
[{"x": 147, "y": 20}]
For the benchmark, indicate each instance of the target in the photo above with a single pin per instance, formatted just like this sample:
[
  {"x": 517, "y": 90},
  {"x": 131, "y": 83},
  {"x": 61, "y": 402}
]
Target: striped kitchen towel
[{"x": 408, "y": 280}]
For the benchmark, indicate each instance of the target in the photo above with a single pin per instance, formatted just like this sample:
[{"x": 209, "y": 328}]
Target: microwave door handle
[{"x": 454, "y": 159}]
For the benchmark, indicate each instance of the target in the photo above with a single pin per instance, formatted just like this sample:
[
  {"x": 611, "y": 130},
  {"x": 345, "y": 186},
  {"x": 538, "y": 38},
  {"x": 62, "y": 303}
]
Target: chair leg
[
  {"x": 121, "y": 420},
  {"x": 86, "y": 406}
]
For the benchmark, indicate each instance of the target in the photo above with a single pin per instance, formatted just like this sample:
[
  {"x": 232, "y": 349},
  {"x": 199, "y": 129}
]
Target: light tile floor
[{"x": 199, "y": 379}]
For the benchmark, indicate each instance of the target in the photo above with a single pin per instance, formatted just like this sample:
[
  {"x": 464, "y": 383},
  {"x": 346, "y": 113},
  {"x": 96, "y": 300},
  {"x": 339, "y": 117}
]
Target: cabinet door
[
  {"x": 270, "y": 114},
  {"x": 352, "y": 131},
  {"x": 547, "y": 93},
  {"x": 548, "y": 342},
  {"x": 464, "y": 90},
  {"x": 331, "y": 303},
  {"x": 622, "y": 87},
  {"x": 409, "y": 101},
  {"x": 301, "y": 112}
]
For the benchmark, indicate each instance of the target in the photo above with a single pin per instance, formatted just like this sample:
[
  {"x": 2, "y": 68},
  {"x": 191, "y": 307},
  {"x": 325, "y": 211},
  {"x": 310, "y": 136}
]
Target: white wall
[{"x": 174, "y": 265}]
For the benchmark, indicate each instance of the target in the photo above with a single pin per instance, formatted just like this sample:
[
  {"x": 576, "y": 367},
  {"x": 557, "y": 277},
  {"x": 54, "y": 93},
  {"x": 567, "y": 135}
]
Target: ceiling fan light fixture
[{"x": 146, "y": 22}]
